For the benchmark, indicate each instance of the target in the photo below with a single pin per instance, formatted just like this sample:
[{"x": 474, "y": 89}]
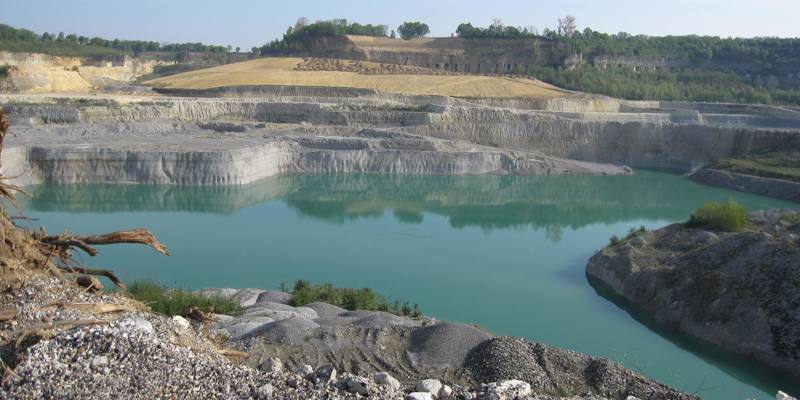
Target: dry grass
[{"x": 282, "y": 71}]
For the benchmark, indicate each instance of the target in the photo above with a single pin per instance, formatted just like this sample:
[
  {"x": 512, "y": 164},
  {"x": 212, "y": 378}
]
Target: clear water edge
[{"x": 507, "y": 253}]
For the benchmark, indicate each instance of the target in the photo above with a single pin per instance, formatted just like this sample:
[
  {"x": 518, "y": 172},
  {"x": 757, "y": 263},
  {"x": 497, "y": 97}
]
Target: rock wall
[
  {"x": 415, "y": 134},
  {"x": 41, "y": 73},
  {"x": 737, "y": 290},
  {"x": 777, "y": 188}
]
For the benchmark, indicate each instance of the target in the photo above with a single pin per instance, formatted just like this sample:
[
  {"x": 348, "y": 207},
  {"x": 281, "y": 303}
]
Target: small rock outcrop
[{"x": 738, "y": 290}]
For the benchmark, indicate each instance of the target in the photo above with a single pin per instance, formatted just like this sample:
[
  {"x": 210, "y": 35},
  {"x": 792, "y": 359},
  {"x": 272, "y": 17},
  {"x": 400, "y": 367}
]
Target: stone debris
[
  {"x": 181, "y": 322},
  {"x": 137, "y": 355},
  {"x": 431, "y": 386}
]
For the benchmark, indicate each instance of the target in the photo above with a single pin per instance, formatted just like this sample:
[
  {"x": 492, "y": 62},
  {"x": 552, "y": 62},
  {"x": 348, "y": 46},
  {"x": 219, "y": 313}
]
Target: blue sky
[{"x": 248, "y": 23}]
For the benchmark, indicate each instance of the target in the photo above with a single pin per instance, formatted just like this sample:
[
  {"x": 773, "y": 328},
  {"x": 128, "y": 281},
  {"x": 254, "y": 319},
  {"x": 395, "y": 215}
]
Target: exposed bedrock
[
  {"x": 235, "y": 140},
  {"x": 739, "y": 291},
  {"x": 770, "y": 187},
  {"x": 218, "y": 158}
]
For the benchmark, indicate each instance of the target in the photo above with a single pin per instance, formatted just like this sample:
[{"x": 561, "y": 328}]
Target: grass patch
[
  {"x": 171, "y": 302},
  {"x": 351, "y": 299},
  {"x": 729, "y": 216},
  {"x": 632, "y": 233},
  {"x": 781, "y": 165}
]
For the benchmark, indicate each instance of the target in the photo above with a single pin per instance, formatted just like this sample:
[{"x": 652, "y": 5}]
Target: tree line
[{"x": 23, "y": 40}]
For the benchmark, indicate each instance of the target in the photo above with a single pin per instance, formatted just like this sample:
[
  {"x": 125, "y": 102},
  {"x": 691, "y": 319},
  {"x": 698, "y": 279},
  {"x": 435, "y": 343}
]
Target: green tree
[{"x": 410, "y": 30}]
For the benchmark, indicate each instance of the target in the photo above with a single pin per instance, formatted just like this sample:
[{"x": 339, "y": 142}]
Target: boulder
[
  {"x": 506, "y": 390},
  {"x": 325, "y": 374},
  {"x": 419, "y": 396},
  {"x": 325, "y": 310},
  {"x": 384, "y": 379},
  {"x": 274, "y": 296},
  {"x": 432, "y": 386},
  {"x": 181, "y": 322},
  {"x": 271, "y": 364},
  {"x": 357, "y": 384}
]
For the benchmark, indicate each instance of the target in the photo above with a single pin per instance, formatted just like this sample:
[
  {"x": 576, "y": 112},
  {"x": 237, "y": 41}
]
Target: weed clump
[
  {"x": 171, "y": 302},
  {"x": 351, "y": 299},
  {"x": 729, "y": 216}
]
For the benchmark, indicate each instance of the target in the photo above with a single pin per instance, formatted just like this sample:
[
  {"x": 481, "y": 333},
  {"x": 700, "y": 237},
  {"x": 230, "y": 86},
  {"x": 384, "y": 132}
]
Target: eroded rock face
[
  {"x": 740, "y": 291},
  {"x": 236, "y": 140},
  {"x": 521, "y": 367}
]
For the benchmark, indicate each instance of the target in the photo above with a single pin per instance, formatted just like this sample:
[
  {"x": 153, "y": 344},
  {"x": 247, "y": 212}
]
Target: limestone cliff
[
  {"x": 41, "y": 73},
  {"x": 740, "y": 291}
]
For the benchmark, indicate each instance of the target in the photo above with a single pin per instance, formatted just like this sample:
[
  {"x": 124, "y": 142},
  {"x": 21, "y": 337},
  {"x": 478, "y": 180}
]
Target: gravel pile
[
  {"x": 445, "y": 344},
  {"x": 555, "y": 371}
]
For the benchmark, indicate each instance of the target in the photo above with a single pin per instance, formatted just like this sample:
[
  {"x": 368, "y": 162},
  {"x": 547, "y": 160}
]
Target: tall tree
[
  {"x": 410, "y": 30},
  {"x": 567, "y": 26}
]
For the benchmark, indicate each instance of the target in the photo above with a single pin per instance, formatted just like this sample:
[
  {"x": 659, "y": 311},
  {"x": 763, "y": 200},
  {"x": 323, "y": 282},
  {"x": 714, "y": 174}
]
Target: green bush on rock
[
  {"x": 171, "y": 302},
  {"x": 352, "y": 299},
  {"x": 729, "y": 216}
]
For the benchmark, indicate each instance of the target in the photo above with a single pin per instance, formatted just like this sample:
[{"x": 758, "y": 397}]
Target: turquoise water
[{"x": 504, "y": 252}]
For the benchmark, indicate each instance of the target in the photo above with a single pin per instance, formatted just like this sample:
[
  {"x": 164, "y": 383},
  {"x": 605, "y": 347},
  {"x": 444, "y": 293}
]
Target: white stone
[
  {"x": 432, "y": 386},
  {"x": 508, "y": 390},
  {"x": 141, "y": 324},
  {"x": 446, "y": 392},
  {"x": 271, "y": 364},
  {"x": 384, "y": 379},
  {"x": 783, "y": 396},
  {"x": 99, "y": 362},
  {"x": 419, "y": 396},
  {"x": 265, "y": 391},
  {"x": 181, "y": 322}
]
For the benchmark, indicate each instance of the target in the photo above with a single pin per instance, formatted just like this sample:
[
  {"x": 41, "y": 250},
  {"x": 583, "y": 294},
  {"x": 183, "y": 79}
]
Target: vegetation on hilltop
[
  {"x": 72, "y": 45},
  {"x": 302, "y": 35},
  {"x": 780, "y": 165},
  {"x": 702, "y": 68},
  {"x": 411, "y": 30},
  {"x": 678, "y": 85}
]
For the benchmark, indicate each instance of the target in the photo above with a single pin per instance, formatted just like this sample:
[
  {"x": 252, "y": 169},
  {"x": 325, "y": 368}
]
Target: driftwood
[
  {"x": 7, "y": 313},
  {"x": 96, "y": 308},
  {"x": 233, "y": 353},
  {"x": 135, "y": 236},
  {"x": 99, "y": 272}
]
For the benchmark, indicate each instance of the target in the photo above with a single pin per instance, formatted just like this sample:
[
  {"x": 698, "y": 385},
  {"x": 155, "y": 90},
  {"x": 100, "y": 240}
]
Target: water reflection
[{"x": 489, "y": 202}]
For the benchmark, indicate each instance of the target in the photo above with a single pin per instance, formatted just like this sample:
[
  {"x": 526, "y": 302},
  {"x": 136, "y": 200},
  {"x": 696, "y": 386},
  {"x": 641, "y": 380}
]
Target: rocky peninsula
[{"x": 737, "y": 290}]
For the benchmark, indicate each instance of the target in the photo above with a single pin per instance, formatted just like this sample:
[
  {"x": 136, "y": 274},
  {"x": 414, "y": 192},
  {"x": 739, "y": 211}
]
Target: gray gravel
[{"x": 446, "y": 344}]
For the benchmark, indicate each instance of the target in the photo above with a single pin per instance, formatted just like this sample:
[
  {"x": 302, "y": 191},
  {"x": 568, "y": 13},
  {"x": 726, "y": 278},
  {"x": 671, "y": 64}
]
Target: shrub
[
  {"x": 171, "y": 302},
  {"x": 730, "y": 216},
  {"x": 351, "y": 299},
  {"x": 633, "y": 232},
  {"x": 614, "y": 240}
]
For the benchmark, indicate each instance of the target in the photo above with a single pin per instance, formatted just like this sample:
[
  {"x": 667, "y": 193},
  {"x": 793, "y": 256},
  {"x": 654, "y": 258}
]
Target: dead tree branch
[
  {"x": 134, "y": 236},
  {"x": 98, "y": 272}
]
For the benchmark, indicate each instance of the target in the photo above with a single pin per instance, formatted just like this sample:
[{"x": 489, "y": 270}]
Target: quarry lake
[{"x": 505, "y": 252}]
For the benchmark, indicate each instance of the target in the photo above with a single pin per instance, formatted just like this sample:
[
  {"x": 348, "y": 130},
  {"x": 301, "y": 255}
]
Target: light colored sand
[{"x": 280, "y": 71}]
